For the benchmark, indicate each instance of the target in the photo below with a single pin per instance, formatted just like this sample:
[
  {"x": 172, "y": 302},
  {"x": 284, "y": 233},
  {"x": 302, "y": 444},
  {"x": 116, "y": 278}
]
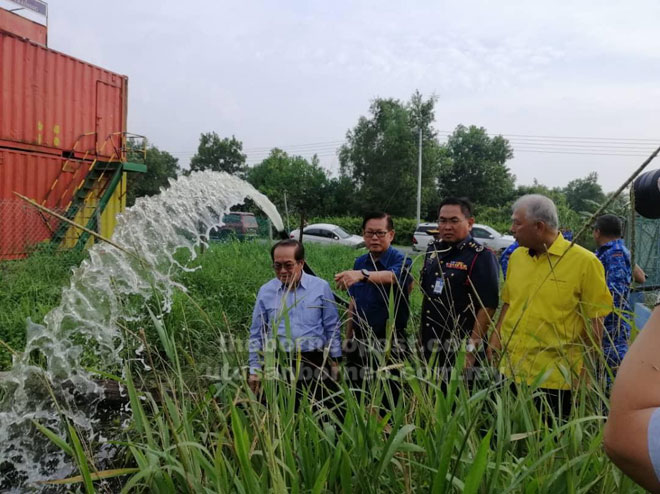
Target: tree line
[{"x": 379, "y": 168}]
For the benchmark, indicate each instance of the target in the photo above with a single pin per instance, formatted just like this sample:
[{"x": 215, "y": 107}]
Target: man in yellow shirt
[{"x": 555, "y": 297}]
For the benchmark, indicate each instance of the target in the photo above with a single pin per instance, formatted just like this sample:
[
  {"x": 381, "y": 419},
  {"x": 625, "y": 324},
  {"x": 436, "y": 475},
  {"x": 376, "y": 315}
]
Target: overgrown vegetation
[
  {"x": 30, "y": 288},
  {"x": 196, "y": 427}
]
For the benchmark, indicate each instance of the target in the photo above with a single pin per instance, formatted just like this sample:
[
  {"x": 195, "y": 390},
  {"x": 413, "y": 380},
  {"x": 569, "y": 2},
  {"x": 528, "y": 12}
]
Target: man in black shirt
[{"x": 460, "y": 285}]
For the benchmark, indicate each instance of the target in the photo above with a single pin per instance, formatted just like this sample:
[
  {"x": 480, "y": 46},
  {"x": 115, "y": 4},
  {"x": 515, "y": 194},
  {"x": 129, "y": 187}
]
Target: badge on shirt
[
  {"x": 439, "y": 285},
  {"x": 457, "y": 265}
]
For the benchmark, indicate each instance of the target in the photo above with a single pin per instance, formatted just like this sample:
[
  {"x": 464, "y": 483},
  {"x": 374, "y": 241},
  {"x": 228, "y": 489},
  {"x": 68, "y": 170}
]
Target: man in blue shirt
[
  {"x": 376, "y": 274},
  {"x": 504, "y": 259},
  {"x": 300, "y": 310},
  {"x": 618, "y": 273}
]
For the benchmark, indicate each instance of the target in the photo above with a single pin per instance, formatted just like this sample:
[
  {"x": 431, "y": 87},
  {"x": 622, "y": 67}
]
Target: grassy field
[{"x": 196, "y": 427}]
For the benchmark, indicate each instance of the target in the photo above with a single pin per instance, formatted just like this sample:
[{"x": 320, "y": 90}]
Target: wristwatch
[
  {"x": 365, "y": 275},
  {"x": 470, "y": 347}
]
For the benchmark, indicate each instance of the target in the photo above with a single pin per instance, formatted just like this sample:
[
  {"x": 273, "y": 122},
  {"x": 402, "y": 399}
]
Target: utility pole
[
  {"x": 286, "y": 211},
  {"x": 419, "y": 179}
]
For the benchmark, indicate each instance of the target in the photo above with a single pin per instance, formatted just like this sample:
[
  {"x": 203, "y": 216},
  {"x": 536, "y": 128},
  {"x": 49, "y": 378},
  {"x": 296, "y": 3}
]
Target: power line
[{"x": 525, "y": 143}]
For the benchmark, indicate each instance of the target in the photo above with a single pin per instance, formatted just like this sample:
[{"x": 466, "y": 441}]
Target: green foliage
[
  {"x": 340, "y": 197},
  {"x": 196, "y": 428},
  {"x": 380, "y": 156},
  {"x": 303, "y": 182},
  {"x": 220, "y": 155},
  {"x": 584, "y": 194},
  {"x": 473, "y": 166},
  {"x": 161, "y": 167},
  {"x": 30, "y": 288}
]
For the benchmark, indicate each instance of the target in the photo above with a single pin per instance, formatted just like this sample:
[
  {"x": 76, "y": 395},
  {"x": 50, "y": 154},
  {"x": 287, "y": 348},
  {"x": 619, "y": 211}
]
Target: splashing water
[{"x": 151, "y": 232}]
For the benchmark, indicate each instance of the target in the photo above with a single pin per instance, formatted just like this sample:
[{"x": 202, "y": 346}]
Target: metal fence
[
  {"x": 646, "y": 246},
  {"x": 23, "y": 228}
]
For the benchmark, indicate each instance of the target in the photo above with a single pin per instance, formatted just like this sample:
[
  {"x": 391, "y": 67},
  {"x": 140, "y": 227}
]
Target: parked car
[
  {"x": 237, "y": 224},
  {"x": 491, "y": 238},
  {"x": 422, "y": 238},
  {"x": 328, "y": 234},
  {"x": 483, "y": 234}
]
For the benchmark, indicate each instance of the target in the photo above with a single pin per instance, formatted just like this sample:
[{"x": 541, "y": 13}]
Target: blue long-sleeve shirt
[
  {"x": 372, "y": 300},
  {"x": 311, "y": 311}
]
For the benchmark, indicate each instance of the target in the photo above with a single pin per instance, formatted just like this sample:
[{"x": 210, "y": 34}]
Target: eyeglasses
[
  {"x": 453, "y": 221},
  {"x": 288, "y": 266},
  {"x": 377, "y": 233}
]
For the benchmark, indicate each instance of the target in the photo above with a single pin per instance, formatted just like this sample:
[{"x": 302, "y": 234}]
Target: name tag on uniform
[{"x": 439, "y": 285}]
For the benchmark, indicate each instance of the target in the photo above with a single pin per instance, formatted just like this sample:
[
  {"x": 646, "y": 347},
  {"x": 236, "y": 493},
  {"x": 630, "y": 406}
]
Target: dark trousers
[
  {"x": 557, "y": 401},
  {"x": 313, "y": 379},
  {"x": 361, "y": 370}
]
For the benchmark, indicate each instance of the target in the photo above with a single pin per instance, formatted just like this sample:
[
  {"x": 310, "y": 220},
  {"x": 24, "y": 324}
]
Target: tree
[
  {"x": 380, "y": 156},
  {"x": 339, "y": 197},
  {"x": 161, "y": 166},
  {"x": 474, "y": 165},
  {"x": 220, "y": 155},
  {"x": 302, "y": 181},
  {"x": 584, "y": 194}
]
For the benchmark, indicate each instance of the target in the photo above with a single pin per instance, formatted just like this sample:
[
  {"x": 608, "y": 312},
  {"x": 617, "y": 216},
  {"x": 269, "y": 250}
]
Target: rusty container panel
[
  {"x": 50, "y": 180},
  {"x": 54, "y": 103},
  {"x": 20, "y": 26}
]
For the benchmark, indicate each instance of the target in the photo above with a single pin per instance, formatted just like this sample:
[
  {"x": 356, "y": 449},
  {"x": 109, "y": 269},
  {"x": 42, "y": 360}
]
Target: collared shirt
[
  {"x": 618, "y": 273},
  {"x": 506, "y": 255},
  {"x": 308, "y": 310},
  {"x": 544, "y": 331},
  {"x": 457, "y": 280},
  {"x": 372, "y": 300}
]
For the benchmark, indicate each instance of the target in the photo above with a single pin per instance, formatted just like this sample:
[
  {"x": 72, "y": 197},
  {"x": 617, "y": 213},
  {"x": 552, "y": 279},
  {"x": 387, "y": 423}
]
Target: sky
[{"x": 574, "y": 86}]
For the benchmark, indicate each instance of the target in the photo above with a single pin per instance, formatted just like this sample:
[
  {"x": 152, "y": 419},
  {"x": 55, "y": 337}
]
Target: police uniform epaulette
[{"x": 477, "y": 247}]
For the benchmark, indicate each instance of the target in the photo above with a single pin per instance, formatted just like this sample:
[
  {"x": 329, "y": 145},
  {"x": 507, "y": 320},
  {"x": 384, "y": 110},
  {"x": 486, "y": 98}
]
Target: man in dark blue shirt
[
  {"x": 382, "y": 272},
  {"x": 460, "y": 284}
]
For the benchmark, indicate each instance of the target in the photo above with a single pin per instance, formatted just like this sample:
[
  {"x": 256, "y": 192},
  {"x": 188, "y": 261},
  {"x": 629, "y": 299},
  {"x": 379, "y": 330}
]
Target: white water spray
[{"x": 151, "y": 232}]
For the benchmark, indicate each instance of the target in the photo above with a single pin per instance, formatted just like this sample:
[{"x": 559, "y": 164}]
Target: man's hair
[
  {"x": 463, "y": 202},
  {"x": 609, "y": 225},
  {"x": 378, "y": 215},
  {"x": 299, "y": 254},
  {"x": 538, "y": 208}
]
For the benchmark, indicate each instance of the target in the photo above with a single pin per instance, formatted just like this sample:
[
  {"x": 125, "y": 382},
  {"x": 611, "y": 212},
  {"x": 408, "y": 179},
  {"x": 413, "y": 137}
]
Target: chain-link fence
[
  {"x": 22, "y": 228},
  {"x": 646, "y": 246}
]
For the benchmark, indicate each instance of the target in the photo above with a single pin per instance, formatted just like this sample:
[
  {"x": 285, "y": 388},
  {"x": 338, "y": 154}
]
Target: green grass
[
  {"x": 30, "y": 288},
  {"x": 193, "y": 431}
]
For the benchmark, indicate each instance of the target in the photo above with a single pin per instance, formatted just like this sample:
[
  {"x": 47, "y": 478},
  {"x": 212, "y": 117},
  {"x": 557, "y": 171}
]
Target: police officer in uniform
[{"x": 459, "y": 282}]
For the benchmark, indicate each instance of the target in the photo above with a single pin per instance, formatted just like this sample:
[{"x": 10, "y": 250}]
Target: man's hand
[
  {"x": 470, "y": 360},
  {"x": 346, "y": 279},
  {"x": 494, "y": 348},
  {"x": 334, "y": 370},
  {"x": 254, "y": 382}
]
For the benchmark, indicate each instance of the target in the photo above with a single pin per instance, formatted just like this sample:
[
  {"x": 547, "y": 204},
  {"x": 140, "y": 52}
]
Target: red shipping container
[
  {"x": 23, "y": 27},
  {"x": 56, "y": 104},
  {"x": 48, "y": 179}
]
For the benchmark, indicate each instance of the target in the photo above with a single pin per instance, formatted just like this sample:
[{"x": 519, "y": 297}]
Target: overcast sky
[{"x": 298, "y": 74}]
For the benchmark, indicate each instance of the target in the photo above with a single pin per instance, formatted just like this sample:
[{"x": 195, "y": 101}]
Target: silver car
[
  {"x": 422, "y": 238},
  {"x": 328, "y": 234},
  {"x": 491, "y": 238},
  {"x": 483, "y": 234}
]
